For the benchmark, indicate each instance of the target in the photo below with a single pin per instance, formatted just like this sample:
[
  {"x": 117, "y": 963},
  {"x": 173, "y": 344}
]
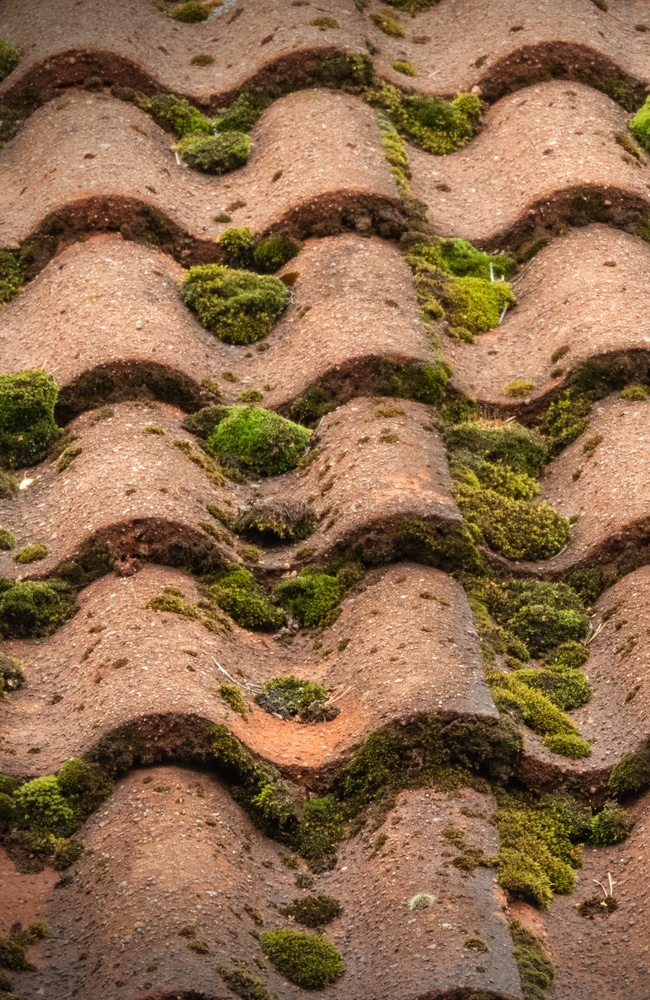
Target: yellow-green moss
[
  {"x": 536, "y": 970},
  {"x": 212, "y": 470},
  {"x": 7, "y": 540},
  {"x": 12, "y": 273},
  {"x": 433, "y": 124},
  {"x": 567, "y": 745},
  {"x": 633, "y": 393},
  {"x": 9, "y": 58},
  {"x": 237, "y": 306},
  {"x": 519, "y": 387},
  {"x": 243, "y": 983},
  {"x": 324, "y": 22},
  {"x": 292, "y": 698},
  {"x": 27, "y": 424},
  {"x": 237, "y": 592},
  {"x": 172, "y": 601},
  {"x": 632, "y": 773},
  {"x": 388, "y": 24},
  {"x": 517, "y": 529},
  {"x": 308, "y": 960},
  {"x": 215, "y": 154},
  {"x": 640, "y": 125},
  {"x": 67, "y": 457},
  {"x": 611, "y": 825},
  {"x": 314, "y": 911},
  {"x": 233, "y": 697},
  {"x": 202, "y": 59},
  {"x": 32, "y": 609},
  {"x": 404, "y": 66},
  {"x": 257, "y": 441},
  {"x": 30, "y": 554},
  {"x": 191, "y": 12}
]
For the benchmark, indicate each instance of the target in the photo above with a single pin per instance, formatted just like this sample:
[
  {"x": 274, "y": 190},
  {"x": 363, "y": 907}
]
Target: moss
[
  {"x": 610, "y": 826},
  {"x": 12, "y": 275},
  {"x": 13, "y": 948},
  {"x": 568, "y": 415},
  {"x": 273, "y": 253},
  {"x": 388, "y": 24},
  {"x": 215, "y": 154},
  {"x": 312, "y": 597},
  {"x": 404, "y": 66},
  {"x": 238, "y": 245},
  {"x": 433, "y": 124},
  {"x": 517, "y": 447},
  {"x": 30, "y": 554},
  {"x": 206, "y": 462},
  {"x": 536, "y": 970},
  {"x": 517, "y": 529},
  {"x": 33, "y": 609},
  {"x": 566, "y": 688},
  {"x": 67, "y": 457},
  {"x": 9, "y": 58},
  {"x": 519, "y": 387},
  {"x": 324, "y": 22},
  {"x": 172, "y": 601},
  {"x": 191, "y": 13},
  {"x": 534, "y": 708},
  {"x": 9, "y": 122},
  {"x": 243, "y": 983},
  {"x": 541, "y": 615},
  {"x": 7, "y": 540},
  {"x": 154, "y": 429},
  {"x": 238, "y": 306},
  {"x": 475, "y": 943},
  {"x": 276, "y": 519},
  {"x": 237, "y": 593},
  {"x": 412, "y": 6},
  {"x": 632, "y": 773},
  {"x": 291, "y": 698},
  {"x": 244, "y": 113},
  {"x": 12, "y": 675},
  {"x": 8, "y": 485},
  {"x": 422, "y": 383},
  {"x": 27, "y": 424},
  {"x": 199, "y": 947},
  {"x": 640, "y": 125},
  {"x": 567, "y": 745},
  {"x": 40, "y": 806},
  {"x": 256, "y": 786},
  {"x": 633, "y": 393},
  {"x": 372, "y": 767},
  {"x": 307, "y": 960},
  {"x": 321, "y": 828},
  {"x": 538, "y": 851},
  {"x": 202, "y": 59},
  {"x": 314, "y": 911},
  {"x": 233, "y": 697},
  {"x": 258, "y": 441},
  {"x": 176, "y": 114}
]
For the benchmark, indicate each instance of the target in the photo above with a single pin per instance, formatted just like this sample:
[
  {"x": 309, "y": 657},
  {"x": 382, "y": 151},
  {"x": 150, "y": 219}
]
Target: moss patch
[
  {"x": 14, "y": 947},
  {"x": 27, "y": 424},
  {"x": 388, "y": 24},
  {"x": 313, "y": 597},
  {"x": 433, "y": 124},
  {"x": 172, "y": 601},
  {"x": 237, "y": 306},
  {"x": 291, "y": 698},
  {"x": 307, "y": 960},
  {"x": 191, "y": 13},
  {"x": 237, "y": 592},
  {"x": 233, "y": 697},
  {"x": 274, "y": 252},
  {"x": 281, "y": 520},
  {"x": 12, "y": 675},
  {"x": 32, "y": 609},
  {"x": 30, "y": 554},
  {"x": 536, "y": 970},
  {"x": 9, "y": 58},
  {"x": 640, "y": 125},
  {"x": 12, "y": 274},
  {"x": 257, "y": 441},
  {"x": 7, "y": 540},
  {"x": 174, "y": 114},
  {"x": 632, "y": 773},
  {"x": 610, "y": 826},
  {"x": 314, "y": 911},
  {"x": 215, "y": 154},
  {"x": 243, "y": 983}
]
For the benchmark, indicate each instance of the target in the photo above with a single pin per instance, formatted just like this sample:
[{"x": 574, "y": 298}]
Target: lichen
[
  {"x": 291, "y": 698},
  {"x": 257, "y": 441},
  {"x": 237, "y": 306},
  {"x": 215, "y": 154},
  {"x": 308, "y": 960},
  {"x": 27, "y": 424}
]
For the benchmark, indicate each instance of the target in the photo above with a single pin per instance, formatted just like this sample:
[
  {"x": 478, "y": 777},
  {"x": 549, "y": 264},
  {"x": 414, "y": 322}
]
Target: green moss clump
[
  {"x": 237, "y": 243},
  {"x": 519, "y": 387},
  {"x": 12, "y": 276},
  {"x": 32, "y": 609},
  {"x": 215, "y": 154},
  {"x": 191, "y": 13},
  {"x": 27, "y": 424},
  {"x": 372, "y": 767},
  {"x": 640, "y": 125},
  {"x": 566, "y": 688},
  {"x": 8, "y": 485},
  {"x": 312, "y": 597},
  {"x": 12, "y": 676},
  {"x": 237, "y": 592},
  {"x": 517, "y": 447},
  {"x": 9, "y": 58},
  {"x": 238, "y": 306},
  {"x": 321, "y": 828},
  {"x": 256, "y": 786},
  {"x": 244, "y": 113},
  {"x": 68, "y": 455},
  {"x": 30, "y": 554},
  {"x": 422, "y": 383},
  {"x": 517, "y": 529},
  {"x": 568, "y": 415},
  {"x": 13, "y": 949},
  {"x": 567, "y": 745},
  {"x": 7, "y": 540},
  {"x": 538, "y": 851},
  {"x": 535, "y": 709},
  {"x": 635, "y": 393},
  {"x": 56, "y": 805},
  {"x": 404, "y": 66},
  {"x": 243, "y": 983},
  {"x": 233, "y": 697},
  {"x": 176, "y": 114},
  {"x": 610, "y": 826},
  {"x": 388, "y": 24},
  {"x": 314, "y": 911},
  {"x": 324, "y": 22},
  {"x": 307, "y": 960},
  {"x": 172, "y": 601},
  {"x": 433, "y": 124},
  {"x": 632, "y": 773},
  {"x": 258, "y": 441},
  {"x": 291, "y": 698},
  {"x": 273, "y": 253},
  {"x": 536, "y": 970},
  {"x": 542, "y": 616}
]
